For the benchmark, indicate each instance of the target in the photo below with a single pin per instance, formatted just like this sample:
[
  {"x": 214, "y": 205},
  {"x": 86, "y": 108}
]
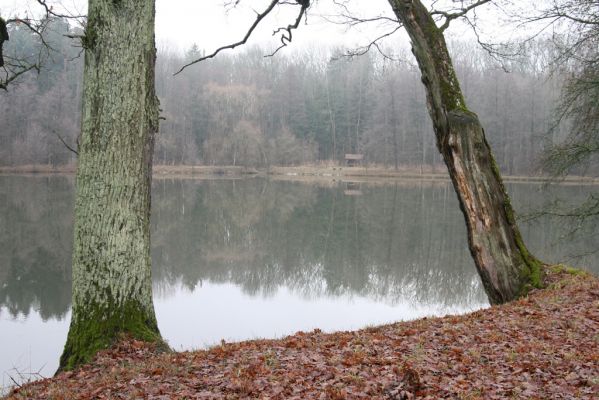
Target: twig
[{"x": 65, "y": 143}]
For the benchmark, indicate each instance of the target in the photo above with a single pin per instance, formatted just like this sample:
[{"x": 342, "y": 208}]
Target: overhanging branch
[{"x": 285, "y": 38}]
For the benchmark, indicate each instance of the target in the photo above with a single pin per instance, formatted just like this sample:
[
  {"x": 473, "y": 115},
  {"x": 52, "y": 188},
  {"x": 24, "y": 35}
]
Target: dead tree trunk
[{"x": 504, "y": 263}]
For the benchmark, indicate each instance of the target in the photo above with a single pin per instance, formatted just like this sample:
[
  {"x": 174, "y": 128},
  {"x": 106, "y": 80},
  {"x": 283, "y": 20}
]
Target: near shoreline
[
  {"x": 300, "y": 173},
  {"x": 544, "y": 346}
]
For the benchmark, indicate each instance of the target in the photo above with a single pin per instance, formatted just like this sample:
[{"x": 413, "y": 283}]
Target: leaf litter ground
[{"x": 545, "y": 346}]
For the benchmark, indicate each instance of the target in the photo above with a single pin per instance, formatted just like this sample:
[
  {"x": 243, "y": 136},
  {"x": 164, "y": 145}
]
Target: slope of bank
[{"x": 543, "y": 346}]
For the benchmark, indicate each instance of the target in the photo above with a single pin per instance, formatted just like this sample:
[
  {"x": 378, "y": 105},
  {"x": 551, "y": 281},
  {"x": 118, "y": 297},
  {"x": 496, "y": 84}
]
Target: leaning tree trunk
[
  {"x": 112, "y": 287},
  {"x": 503, "y": 261}
]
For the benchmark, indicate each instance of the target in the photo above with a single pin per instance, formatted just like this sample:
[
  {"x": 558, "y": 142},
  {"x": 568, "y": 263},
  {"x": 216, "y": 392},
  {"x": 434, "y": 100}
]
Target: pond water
[{"x": 254, "y": 258}]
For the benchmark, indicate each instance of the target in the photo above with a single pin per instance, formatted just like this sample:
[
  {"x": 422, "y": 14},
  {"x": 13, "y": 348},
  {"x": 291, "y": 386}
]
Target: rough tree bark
[
  {"x": 504, "y": 263},
  {"x": 112, "y": 287}
]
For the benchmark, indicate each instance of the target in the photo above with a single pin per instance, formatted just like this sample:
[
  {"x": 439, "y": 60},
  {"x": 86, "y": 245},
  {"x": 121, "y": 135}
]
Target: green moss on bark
[
  {"x": 98, "y": 330},
  {"x": 88, "y": 41},
  {"x": 451, "y": 93}
]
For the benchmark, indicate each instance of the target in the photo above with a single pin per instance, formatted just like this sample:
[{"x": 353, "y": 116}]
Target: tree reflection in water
[{"x": 396, "y": 242}]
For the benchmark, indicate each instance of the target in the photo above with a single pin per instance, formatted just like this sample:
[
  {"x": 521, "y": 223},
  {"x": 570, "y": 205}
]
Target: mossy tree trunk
[
  {"x": 112, "y": 287},
  {"x": 506, "y": 267}
]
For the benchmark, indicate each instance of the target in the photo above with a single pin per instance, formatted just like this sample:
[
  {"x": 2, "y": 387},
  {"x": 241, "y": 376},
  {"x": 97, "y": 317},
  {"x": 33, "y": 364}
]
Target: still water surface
[{"x": 252, "y": 258}]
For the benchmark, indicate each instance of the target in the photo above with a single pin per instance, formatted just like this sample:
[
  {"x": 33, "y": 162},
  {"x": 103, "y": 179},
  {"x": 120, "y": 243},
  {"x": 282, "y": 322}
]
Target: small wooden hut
[{"x": 352, "y": 160}]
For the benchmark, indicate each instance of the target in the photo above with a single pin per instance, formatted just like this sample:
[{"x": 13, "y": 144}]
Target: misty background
[{"x": 301, "y": 107}]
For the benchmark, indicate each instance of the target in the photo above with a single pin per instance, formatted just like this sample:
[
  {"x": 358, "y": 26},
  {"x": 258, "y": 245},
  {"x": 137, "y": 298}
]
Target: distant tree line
[{"x": 245, "y": 109}]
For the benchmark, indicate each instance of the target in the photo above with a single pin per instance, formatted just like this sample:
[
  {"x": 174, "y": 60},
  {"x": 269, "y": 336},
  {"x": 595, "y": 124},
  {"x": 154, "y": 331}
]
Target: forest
[{"x": 301, "y": 107}]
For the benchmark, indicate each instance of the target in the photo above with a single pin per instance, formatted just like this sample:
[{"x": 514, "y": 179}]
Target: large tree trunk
[
  {"x": 503, "y": 261},
  {"x": 112, "y": 287}
]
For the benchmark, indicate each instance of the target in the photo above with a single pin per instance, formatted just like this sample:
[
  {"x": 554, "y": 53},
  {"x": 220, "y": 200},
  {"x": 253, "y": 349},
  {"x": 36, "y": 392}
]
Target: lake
[{"x": 258, "y": 258}]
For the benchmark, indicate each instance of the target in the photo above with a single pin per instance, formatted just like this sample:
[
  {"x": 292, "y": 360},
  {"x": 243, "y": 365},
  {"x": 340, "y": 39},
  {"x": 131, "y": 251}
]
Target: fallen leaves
[{"x": 544, "y": 346}]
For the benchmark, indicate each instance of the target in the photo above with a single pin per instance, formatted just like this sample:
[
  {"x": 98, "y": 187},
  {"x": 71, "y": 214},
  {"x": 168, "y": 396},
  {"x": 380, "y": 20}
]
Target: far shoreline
[{"x": 305, "y": 173}]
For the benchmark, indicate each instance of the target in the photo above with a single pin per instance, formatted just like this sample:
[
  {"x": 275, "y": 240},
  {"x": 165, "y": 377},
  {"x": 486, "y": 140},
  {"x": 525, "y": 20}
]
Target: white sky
[
  {"x": 181, "y": 23},
  {"x": 206, "y": 23}
]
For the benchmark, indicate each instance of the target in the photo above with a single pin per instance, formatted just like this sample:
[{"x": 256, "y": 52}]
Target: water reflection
[
  {"x": 392, "y": 243},
  {"x": 251, "y": 258},
  {"x": 35, "y": 246}
]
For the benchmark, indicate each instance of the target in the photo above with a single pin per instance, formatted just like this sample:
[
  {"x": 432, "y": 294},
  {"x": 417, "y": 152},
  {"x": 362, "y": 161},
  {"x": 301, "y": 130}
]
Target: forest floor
[
  {"x": 544, "y": 346},
  {"x": 325, "y": 171}
]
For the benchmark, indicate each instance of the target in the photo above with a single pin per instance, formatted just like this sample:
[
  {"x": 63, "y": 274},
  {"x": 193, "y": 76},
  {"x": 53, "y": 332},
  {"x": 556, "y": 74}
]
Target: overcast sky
[
  {"x": 209, "y": 24},
  {"x": 181, "y": 23},
  {"x": 206, "y": 23}
]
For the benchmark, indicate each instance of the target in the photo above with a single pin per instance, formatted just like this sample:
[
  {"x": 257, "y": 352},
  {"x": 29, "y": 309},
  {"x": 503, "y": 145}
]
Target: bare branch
[
  {"x": 15, "y": 67},
  {"x": 501, "y": 52},
  {"x": 587, "y": 209},
  {"x": 352, "y": 21},
  {"x": 38, "y": 28},
  {"x": 285, "y": 37},
  {"x": 65, "y": 143},
  {"x": 360, "y": 51},
  {"x": 20, "y": 64},
  {"x": 450, "y": 16},
  {"x": 50, "y": 12},
  {"x": 259, "y": 17},
  {"x": 349, "y": 19},
  {"x": 582, "y": 13},
  {"x": 10, "y": 78}
]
